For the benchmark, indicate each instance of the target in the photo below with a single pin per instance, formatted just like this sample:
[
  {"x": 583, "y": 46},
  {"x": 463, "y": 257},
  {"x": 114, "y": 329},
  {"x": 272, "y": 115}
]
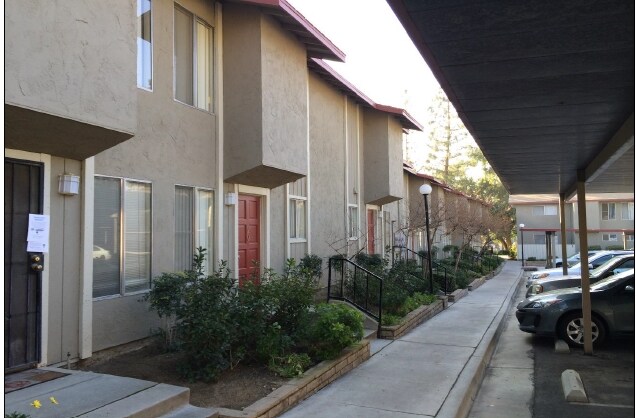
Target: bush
[
  {"x": 218, "y": 324},
  {"x": 330, "y": 329},
  {"x": 292, "y": 365},
  {"x": 615, "y": 247},
  {"x": 594, "y": 247},
  {"x": 531, "y": 259}
]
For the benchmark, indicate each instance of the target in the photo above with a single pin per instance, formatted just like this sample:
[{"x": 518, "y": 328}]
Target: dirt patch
[{"x": 235, "y": 389}]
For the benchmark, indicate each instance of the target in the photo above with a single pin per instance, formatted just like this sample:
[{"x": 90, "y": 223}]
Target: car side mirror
[
  {"x": 591, "y": 267},
  {"x": 629, "y": 289}
]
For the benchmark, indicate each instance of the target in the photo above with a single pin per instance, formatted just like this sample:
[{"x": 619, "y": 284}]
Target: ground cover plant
[{"x": 218, "y": 325}]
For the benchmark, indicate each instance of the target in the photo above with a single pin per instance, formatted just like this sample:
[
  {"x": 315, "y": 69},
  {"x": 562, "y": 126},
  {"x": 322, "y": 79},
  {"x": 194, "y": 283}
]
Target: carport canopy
[{"x": 545, "y": 88}]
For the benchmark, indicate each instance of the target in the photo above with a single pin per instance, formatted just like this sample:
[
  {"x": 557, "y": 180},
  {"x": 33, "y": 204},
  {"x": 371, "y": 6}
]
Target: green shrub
[
  {"x": 594, "y": 247},
  {"x": 531, "y": 259},
  {"x": 330, "y": 329},
  {"x": 291, "y": 365},
  {"x": 16, "y": 415},
  {"x": 415, "y": 301},
  {"x": 311, "y": 264},
  {"x": 615, "y": 247},
  {"x": 390, "y": 319}
]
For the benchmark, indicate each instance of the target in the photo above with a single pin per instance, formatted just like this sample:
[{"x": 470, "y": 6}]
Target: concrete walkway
[{"x": 434, "y": 371}]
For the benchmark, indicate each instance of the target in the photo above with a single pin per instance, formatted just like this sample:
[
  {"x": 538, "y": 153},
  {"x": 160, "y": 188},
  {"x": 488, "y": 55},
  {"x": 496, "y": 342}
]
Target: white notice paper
[{"x": 38, "y": 233}]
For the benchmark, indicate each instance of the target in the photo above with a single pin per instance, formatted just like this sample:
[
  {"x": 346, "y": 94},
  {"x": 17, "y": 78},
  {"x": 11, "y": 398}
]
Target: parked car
[
  {"x": 576, "y": 258},
  {"x": 559, "y": 312},
  {"x": 594, "y": 261},
  {"x": 101, "y": 253},
  {"x": 613, "y": 266}
]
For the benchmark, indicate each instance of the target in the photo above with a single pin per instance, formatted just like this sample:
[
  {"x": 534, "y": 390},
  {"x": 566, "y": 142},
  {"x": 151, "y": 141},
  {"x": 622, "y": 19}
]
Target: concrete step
[
  {"x": 189, "y": 411},
  {"x": 149, "y": 403}
]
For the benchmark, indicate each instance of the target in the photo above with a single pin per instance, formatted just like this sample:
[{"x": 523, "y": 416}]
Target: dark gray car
[
  {"x": 610, "y": 267},
  {"x": 559, "y": 312}
]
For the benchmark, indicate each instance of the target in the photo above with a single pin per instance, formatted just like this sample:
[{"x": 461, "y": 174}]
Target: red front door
[
  {"x": 249, "y": 231},
  {"x": 371, "y": 231}
]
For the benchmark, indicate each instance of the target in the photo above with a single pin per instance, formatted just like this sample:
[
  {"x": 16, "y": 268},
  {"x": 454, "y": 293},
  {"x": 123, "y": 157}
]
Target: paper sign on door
[{"x": 38, "y": 233}]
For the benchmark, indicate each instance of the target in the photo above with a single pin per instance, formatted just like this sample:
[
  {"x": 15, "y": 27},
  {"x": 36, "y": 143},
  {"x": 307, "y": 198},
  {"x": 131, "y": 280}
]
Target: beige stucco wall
[
  {"x": 175, "y": 145},
  {"x": 382, "y": 158},
  {"x": 70, "y": 67},
  {"x": 327, "y": 182},
  {"x": 265, "y": 86}
]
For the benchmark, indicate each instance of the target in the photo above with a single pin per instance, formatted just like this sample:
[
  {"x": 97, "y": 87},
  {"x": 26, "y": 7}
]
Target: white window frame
[
  {"x": 606, "y": 212},
  {"x": 121, "y": 238},
  {"x": 546, "y": 210},
  {"x": 629, "y": 208},
  {"x": 293, "y": 199},
  {"x": 140, "y": 57},
  {"x": 629, "y": 237},
  {"x": 209, "y": 255},
  {"x": 610, "y": 237},
  {"x": 353, "y": 223},
  {"x": 195, "y": 19}
]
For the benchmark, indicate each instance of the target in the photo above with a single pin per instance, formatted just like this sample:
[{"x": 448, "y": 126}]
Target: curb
[
  {"x": 461, "y": 397},
  {"x": 573, "y": 386}
]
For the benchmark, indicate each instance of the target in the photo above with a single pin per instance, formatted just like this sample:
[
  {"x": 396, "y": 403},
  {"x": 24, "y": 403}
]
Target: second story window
[
  {"x": 608, "y": 211},
  {"x": 192, "y": 60},
  {"x": 547, "y": 210},
  {"x": 144, "y": 44},
  {"x": 627, "y": 211}
]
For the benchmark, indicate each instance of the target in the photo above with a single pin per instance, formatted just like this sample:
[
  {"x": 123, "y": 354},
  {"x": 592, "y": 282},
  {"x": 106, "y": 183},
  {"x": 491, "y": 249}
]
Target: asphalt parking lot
[
  {"x": 607, "y": 375},
  {"x": 523, "y": 379}
]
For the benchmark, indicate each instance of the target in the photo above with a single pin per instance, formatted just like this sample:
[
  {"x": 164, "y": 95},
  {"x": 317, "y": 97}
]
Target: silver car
[
  {"x": 613, "y": 266},
  {"x": 594, "y": 261},
  {"x": 560, "y": 312}
]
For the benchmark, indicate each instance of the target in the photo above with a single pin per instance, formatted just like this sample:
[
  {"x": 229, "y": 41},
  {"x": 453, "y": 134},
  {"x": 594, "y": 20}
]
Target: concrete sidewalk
[{"x": 434, "y": 371}]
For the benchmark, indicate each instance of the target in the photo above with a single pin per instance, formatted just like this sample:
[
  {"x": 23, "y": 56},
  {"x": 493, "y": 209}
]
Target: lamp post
[
  {"x": 425, "y": 190},
  {"x": 521, "y": 226}
]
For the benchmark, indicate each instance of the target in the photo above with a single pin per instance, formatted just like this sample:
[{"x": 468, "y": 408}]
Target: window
[
  {"x": 144, "y": 44},
  {"x": 629, "y": 237},
  {"x": 354, "y": 223},
  {"x": 193, "y": 226},
  {"x": 297, "y": 218},
  {"x": 539, "y": 239},
  {"x": 610, "y": 237},
  {"x": 627, "y": 211},
  {"x": 121, "y": 236},
  {"x": 608, "y": 211},
  {"x": 192, "y": 60},
  {"x": 547, "y": 210}
]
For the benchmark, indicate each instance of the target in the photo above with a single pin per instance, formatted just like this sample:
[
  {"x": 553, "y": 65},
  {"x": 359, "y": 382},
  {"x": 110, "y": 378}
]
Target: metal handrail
[{"x": 348, "y": 282}]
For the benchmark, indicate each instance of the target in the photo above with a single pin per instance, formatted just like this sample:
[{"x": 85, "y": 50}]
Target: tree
[
  {"x": 455, "y": 159},
  {"x": 448, "y": 139}
]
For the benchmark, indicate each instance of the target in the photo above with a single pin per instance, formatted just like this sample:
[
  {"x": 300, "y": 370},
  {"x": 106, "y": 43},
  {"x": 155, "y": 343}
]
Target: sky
[{"x": 381, "y": 60}]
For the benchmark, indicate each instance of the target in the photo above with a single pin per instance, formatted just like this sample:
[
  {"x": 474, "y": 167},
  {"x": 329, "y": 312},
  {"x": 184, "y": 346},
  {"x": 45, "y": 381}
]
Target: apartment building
[
  {"x": 454, "y": 218},
  {"x": 194, "y": 123},
  {"x": 610, "y": 222}
]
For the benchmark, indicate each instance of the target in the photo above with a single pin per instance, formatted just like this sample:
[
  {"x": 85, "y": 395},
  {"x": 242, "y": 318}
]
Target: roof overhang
[
  {"x": 332, "y": 77},
  {"x": 317, "y": 44},
  {"x": 545, "y": 88}
]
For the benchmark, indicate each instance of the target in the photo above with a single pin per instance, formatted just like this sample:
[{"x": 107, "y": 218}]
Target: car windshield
[
  {"x": 603, "y": 267},
  {"x": 610, "y": 281}
]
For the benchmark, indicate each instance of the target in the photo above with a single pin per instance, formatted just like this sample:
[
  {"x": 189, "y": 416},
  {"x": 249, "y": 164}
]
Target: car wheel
[{"x": 571, "y": 329}]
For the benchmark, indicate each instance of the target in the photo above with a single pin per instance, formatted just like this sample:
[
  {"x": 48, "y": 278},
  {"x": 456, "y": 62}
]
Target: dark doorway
[{"x": 23, "y": 187}]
